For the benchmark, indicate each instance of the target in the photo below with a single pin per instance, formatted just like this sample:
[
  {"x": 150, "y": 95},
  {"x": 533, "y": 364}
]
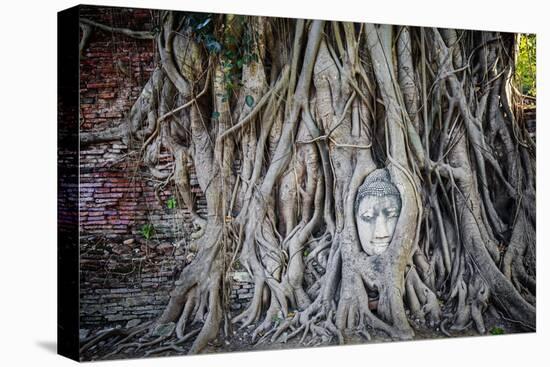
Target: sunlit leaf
[{"x": 249, "y": 100}]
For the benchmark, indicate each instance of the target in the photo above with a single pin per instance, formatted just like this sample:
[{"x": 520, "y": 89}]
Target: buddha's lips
[{"x": 379, "y": 246}]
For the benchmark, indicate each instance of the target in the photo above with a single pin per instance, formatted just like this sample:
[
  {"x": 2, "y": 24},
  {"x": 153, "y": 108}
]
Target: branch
[
  {"x": 280, "y": 84},
  {"x": 110, "y": 134},
  {"x": 86, "y": 33},
  {"x": 144, "y": 35},
  {"x": 168, "y": 114}
]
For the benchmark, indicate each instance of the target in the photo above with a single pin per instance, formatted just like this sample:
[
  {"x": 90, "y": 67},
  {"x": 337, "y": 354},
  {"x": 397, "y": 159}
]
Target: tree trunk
[{"x": 310, "y": 109}]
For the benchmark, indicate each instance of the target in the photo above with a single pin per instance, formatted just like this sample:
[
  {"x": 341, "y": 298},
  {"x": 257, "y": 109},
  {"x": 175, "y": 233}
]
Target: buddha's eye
[{"x": 366, "y": 217}]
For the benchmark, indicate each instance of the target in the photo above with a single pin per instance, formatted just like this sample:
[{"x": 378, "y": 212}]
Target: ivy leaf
[
  {"x": 249, "y": 100},
  {"x": 229, "y": 54},
  {"x": 171, "y": 203},
  {"x": 496, "y": 331},
  {"x": 147, "y": 230},
  {"x": 213, "y": 46},
  {"x": 231, "y": 40},
  {"x": 203, "y": 24},
  {"x": 215, "y": 114}
]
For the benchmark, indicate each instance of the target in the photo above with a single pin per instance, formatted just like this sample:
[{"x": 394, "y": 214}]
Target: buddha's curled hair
[{"x": 377, "y": 183}]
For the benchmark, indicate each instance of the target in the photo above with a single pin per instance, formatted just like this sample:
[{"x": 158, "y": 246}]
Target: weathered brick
[{"x": 115, "y": 199}]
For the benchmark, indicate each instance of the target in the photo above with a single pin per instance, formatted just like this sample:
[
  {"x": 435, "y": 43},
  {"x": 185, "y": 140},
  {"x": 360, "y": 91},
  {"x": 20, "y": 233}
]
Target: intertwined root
[{"x": 312, "y": 118}]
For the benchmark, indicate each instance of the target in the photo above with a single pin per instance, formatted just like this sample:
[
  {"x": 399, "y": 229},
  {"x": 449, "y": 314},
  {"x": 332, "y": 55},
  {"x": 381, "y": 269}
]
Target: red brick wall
[
  {"x": 123, "y": 276},
  {"x": 110, "y": 200}
]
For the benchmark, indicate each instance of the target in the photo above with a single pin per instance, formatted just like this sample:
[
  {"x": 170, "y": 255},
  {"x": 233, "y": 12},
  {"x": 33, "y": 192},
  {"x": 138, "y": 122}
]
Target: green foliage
[
  {"x": 213, "y": 46},
  {"x": 526, "y": 65},
  {"x": 202, "y": 26},
  {"x": 496, "y": 330},
  {"x": 147, "y": 231},
  {"x": 237, "y": 52},
  {"x": 215, "y": 114},
  {"x": 234, "y": 52},
  {"x": 171, "y": 203}
]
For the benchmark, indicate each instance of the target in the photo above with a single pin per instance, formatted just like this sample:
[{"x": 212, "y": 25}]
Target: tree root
[{"x": 324, "y": 119}]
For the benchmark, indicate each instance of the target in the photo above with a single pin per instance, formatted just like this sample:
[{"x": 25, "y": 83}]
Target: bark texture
[{"x": 309, "y": 109}]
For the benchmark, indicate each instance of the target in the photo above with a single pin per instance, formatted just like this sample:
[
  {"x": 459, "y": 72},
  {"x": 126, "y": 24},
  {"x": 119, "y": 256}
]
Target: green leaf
[
  {"x": 203, "y": 24},
  {"x": 231, "y": 40},
  {"x": 228, "y": 66},
  {"x": 496, "y": 331},
  {"x": 147, "y": 230},
  {"x": 229, "y": 54},
  {"x": 171, "y": 203},
  {"x": 230, "y": 86},
  {"x": 213, "y": 46},
  {"x": 249, "y": 100},
  {"x": 215, "y": 114}
]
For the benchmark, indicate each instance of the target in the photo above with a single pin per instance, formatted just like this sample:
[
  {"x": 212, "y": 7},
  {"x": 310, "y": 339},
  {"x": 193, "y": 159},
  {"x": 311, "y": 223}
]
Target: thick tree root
[{"x": 312, "y": 114}]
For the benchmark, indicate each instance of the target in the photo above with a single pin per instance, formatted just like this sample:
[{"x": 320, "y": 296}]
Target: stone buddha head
[{"x": 377, "y": 209}]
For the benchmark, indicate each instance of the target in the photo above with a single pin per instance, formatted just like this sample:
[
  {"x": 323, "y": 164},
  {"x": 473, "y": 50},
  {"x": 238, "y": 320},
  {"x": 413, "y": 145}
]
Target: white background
[{"x": 28, "y": 182}]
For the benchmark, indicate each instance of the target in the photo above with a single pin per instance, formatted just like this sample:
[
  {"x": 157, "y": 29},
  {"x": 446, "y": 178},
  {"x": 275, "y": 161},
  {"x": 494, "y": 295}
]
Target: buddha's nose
[{"x": 381, "y": 229}]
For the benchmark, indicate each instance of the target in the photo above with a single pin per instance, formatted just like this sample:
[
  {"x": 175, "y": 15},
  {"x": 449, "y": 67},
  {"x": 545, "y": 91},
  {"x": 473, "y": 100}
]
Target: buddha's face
[{"x": 376, "y": 219}]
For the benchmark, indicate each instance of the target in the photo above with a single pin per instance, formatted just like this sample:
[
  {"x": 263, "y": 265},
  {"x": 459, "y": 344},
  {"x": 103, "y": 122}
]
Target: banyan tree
[{"x": 369, "y": 178}]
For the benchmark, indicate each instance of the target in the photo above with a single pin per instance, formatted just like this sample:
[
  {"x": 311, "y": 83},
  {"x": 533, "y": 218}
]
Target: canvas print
[{"x": 252, "y": 183}]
